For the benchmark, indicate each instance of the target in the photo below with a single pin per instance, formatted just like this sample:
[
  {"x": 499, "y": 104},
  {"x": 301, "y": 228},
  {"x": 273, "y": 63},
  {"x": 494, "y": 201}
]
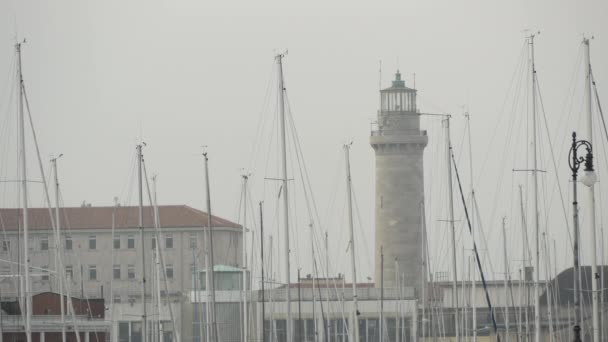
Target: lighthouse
[{"x": 398, "y": 144}]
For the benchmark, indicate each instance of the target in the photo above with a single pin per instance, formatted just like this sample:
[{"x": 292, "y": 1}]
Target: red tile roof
[{"x": 171, "y": 216}]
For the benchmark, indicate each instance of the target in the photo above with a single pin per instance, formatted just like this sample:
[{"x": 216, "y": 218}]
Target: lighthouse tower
[{"x": 398, "y": 144}]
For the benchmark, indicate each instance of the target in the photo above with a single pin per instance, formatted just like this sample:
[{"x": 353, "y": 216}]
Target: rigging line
[
  {"x": 518, "y": 67},
  {"x": 510, "y": 139},
  {"x": 261, "y": 122},
  {"x": 599, "y": 105},
  {"x": 561, "y": 194},
  {"x": 304, "y": 168},
  {"x": 45, "y": 188},
  {"x": 367, "y": 252},
  {"x": 483, "y": 279}
]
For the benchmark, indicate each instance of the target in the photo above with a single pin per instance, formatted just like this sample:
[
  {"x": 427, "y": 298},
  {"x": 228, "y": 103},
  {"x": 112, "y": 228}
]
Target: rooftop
[{"x": 171, "y": 216}]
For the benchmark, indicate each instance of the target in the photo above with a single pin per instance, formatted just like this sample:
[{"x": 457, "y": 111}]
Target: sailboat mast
[
  {"x": 158, "y": 265},
  {"x": 58, "y": 264},
  {"x": 327, "y": 322},
  {"x": 506, "y": 280},
  {"x": 536, "y": 213},
  {"x": 452, "y": 226},
  {"x": 423, "y": 273},
  {"x": 24, "y": 204},
  {"x": 279, "y": 59},
  {"x": 314, "y": 274},
  {"x": 355, "y": 325},
  {"x": 210, "y": 269},
  {"x": 591, "y": 198},
  {"x": 262, "y": 271},
  {"x": 523, "y": 274},
  {"x": 381, "y": 293},
  {"x": 245, "y": 316},
  {"x": 143, "y": 249}
]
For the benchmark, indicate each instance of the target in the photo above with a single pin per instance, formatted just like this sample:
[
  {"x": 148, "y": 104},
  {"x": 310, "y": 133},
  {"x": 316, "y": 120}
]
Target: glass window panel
[
  {"x": 44, "y": 243},
  {"x": 123, "y": 331},
  {"x": 281, "y": 330},
  {"x": 391, "y": 329},
  {"x": 169, "y": 241},
  {"x": 92, "y": 272},
  {"x": 92, "y": 242},
  {"x": 373, "y": 330},
  {"x": 45, "y": 273},
  {"x": 131, "y": 271},
  {"x": 135, "y": 332},
  {"x": 117, "y": 242},
  {"x": 193, "y": 241}
]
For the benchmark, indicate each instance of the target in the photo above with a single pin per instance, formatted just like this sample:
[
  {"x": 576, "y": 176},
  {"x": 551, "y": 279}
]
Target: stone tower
[{"x": 399, "y": 143}]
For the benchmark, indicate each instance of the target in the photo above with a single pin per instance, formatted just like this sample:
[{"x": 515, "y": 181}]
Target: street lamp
[{"x": 589, "y": 178}]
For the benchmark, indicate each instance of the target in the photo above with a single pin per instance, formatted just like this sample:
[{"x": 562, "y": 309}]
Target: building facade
[{"x": 99, "y": 255}]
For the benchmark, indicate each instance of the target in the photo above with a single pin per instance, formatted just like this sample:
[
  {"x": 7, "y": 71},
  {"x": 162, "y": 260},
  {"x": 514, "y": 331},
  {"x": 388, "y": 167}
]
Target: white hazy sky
[{"x": 181, "y": 74}]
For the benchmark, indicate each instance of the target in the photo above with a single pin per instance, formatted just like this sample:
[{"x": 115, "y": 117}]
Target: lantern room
[{"x": 398, "y": 98}]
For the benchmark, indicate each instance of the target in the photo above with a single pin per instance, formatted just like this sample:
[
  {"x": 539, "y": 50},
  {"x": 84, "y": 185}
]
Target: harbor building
[{"x": 100, "y": 249}]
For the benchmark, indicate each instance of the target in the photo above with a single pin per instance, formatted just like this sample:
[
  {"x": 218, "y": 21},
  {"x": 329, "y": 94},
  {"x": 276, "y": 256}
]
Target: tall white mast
[
  {"x": 58, "y": 263},
  {"x": 535, "y": 182},
  {"x": 423, "y": 273},
  {"x": 210, "y": 269},
  {"x": 591, "y": 199},
  {"x": 474, "y": 270},
  {"x": 245, "y": 316},
  {"x": 279, "y": 59},
  {"x": 452, "y": 226},
  {"x": 314, "y": 274},
  {"x": 355, "y": 324},
  {"x": 144, "y": 318},
  {"x": 158, "y": 266},
  {"x": 24, "y": 204},
  {"x": 506, "y": 281}
]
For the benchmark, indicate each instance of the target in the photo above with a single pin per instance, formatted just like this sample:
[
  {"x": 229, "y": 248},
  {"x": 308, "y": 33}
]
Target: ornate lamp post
[{"x": 589, "y": 178}]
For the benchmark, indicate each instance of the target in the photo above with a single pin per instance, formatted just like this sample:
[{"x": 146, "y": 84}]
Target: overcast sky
[{"x": 102, "y": 76}]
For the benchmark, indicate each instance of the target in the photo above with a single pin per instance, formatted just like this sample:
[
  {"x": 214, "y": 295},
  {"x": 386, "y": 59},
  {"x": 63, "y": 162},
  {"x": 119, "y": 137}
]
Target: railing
[
  {"x": 387, "y": 132},
  {"x": 306, "y": 294}
]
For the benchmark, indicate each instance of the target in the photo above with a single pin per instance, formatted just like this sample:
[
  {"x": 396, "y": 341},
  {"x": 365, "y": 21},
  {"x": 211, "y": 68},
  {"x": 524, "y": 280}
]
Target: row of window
[
  {"x": 395, "y": 330},
  {"x": 117, "y": 273},
  {"x": 92, "y": 242}
]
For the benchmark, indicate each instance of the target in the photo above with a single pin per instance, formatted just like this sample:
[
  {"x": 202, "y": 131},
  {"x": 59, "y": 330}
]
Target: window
[
  {"x": 168, "y": 241},
  {"x": 6, "y": 246},
  {"x": 131, "y": 271},
  {"x": 116, "y": 299},
  {"x": 169, "y": 271},
  {"x": 123, "y": 332},
  {"x": 69, "y": 272},
  {"x": 130, "y": 241},
  {"x": 192, "y": 240},
  {"x": 68, "y": 243},
  {"x": 116, "y": 272},
  {"x": 153, "y": 242},
  {"x": 117, "y": 242},
  {"x": 44, "y": 243},
  {"x": 92, "y": 242},
  {"x": 92, "y": 272},
  {"x": 45, "y": 273}
]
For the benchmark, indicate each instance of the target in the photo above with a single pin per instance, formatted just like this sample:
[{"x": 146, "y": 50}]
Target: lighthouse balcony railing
[{"x": 387, "y": 132}]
